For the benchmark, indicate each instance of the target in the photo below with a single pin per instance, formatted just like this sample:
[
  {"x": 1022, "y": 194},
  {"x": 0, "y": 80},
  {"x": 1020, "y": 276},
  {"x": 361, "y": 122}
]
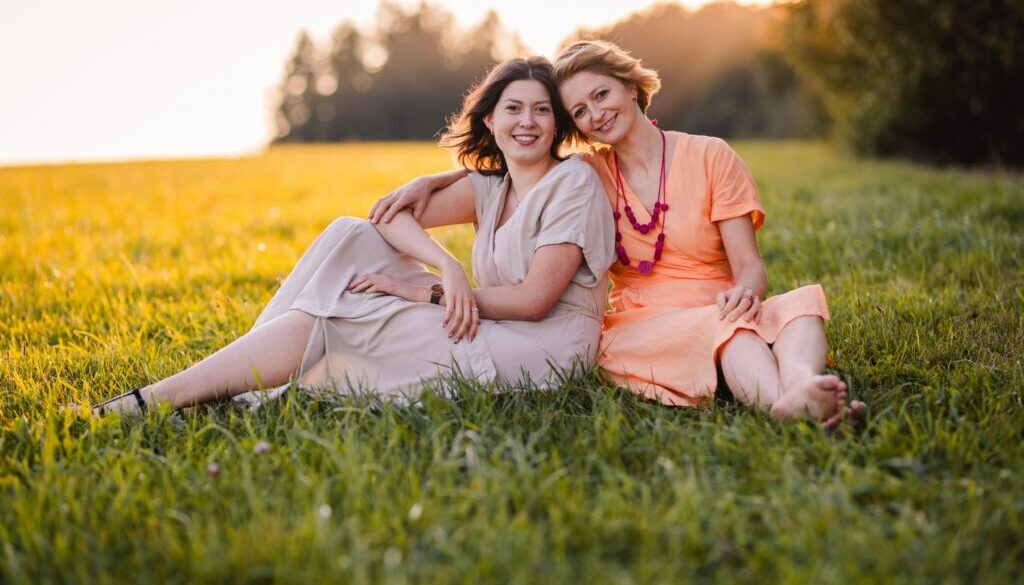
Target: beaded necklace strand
[{"x": 660, "y": 207}]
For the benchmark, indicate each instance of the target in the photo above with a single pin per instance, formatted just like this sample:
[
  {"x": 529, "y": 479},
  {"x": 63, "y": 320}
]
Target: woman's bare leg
[
  {"x": 267, "y": 355},
  {"x": 750, "y": 370},
  {"x": 801, "y": 350}
]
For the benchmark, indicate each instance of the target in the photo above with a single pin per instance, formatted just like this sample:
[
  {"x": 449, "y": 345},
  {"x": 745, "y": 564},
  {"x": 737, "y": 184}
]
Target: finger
[
  {"x": 457, "y": 318},
  {"x": 356, "y": 284},
  {"x": 755, "y": 306},
  {"x": 467, "y": 317},
  {"x": 476, "y": 322},
  {"x": 456, "y": 323},
  {"x": 738, "y": 310},
  {"x": 393, "y": 208},
  {"x": 419, "y": 208},
  {"x": 379, "y": 207},
  {"x": 447, "y": 312},
  {"x": 720, "y": 300},
  {"x": 730, "y": 304}
]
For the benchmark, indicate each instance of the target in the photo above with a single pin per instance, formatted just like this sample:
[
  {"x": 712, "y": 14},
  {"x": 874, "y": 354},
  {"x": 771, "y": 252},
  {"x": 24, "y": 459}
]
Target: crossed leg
[
  {"x": 785, "y": 378},
  {"x": 267, "y": 355},
  {"x": 750, "y": 370},
  {"x": 802, "y": 351}
]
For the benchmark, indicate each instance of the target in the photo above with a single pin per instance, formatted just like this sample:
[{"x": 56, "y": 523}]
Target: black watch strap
[{"x": 435, "y": 293}]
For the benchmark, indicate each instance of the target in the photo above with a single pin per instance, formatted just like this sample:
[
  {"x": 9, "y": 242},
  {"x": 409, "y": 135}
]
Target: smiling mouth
[
  {"x": 607, "y": 124},
  {"x": 525, "y": 139}
]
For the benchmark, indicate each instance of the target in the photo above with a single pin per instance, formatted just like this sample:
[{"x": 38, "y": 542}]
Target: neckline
[
  {"x": 507, "y": 186},
  {"x": 627, "y": 191}
]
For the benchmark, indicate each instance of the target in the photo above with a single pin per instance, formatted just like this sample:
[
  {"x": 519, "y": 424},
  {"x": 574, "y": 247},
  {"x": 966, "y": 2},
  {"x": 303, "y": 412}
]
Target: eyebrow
[
  {"x": 592, "y": 92},
  {"x": 514, "y": 100}
]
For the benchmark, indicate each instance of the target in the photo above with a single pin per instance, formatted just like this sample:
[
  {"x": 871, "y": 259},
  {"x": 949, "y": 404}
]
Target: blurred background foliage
[{"x": 932, "y": 80}]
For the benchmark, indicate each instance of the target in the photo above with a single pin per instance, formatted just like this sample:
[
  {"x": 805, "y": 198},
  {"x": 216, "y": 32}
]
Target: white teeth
[
  {"x": 606, "y": 125},
  {"x": 525, "y": 140}
]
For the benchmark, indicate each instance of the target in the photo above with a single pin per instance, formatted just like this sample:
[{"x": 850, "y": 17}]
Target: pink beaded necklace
[{"x": 660, "y": 207}]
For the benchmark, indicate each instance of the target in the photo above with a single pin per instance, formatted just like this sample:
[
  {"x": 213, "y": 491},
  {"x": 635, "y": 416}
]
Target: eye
[
  {"x": 602, "y": 93},
  {"x": 578, "y": 112},
  {"x": 543, "y": 109}
]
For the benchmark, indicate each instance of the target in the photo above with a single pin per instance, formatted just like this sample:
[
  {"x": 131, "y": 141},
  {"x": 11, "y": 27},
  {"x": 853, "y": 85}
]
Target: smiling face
[
  {"x": 523, "y": 122},
  {"x": 603, "y": 108}
]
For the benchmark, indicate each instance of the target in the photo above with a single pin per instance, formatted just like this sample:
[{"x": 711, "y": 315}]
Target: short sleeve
[
  {"x": 579, "y": 213},
  {"x": 483, "y": 189},
  {"x": 733, "y": 193}
]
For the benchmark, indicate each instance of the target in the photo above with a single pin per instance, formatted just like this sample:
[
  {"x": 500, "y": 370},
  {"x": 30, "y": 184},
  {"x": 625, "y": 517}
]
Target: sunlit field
[{"x": 115, "y": 275}]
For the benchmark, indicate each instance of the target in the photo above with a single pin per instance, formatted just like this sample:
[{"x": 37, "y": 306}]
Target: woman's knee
[
  {"x": 742, "y": 342},
  {"x": 347, "y": 223}
]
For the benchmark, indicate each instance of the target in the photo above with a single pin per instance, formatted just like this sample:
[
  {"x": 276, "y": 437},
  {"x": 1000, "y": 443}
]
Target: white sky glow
[{"x": 122, "y": 79}]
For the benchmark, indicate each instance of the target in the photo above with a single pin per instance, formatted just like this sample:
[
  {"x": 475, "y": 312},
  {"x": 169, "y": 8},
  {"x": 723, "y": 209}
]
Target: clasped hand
[
  {"x": 739, "y": 302},
  {"x": 461, "y": 316}
]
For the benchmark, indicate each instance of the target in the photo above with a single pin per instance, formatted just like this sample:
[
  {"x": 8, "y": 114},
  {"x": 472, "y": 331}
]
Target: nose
[{"x": 527, "y": 121}]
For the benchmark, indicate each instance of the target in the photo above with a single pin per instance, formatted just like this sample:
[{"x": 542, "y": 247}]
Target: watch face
[{"x": 436, "y": 288}]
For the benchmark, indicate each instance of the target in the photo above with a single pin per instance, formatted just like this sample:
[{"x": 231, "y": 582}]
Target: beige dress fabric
[{"x": 388, "y": 345}]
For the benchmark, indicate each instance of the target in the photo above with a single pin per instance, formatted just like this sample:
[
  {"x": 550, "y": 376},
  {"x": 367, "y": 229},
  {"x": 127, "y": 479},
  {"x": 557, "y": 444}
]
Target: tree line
[{"x": 935, "y": 80}]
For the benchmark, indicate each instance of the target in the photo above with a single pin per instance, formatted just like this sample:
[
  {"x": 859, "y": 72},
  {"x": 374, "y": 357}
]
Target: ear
[
  {"x": 633, "y": 91},
  {"x": 489, "y": 122}
]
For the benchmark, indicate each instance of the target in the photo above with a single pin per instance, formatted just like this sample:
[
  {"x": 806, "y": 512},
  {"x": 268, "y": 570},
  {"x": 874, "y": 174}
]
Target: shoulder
[
  {"x": 575, "y": 171},
  {"x": 484, "y": 184},
  {"x": 705, "y": 146}
]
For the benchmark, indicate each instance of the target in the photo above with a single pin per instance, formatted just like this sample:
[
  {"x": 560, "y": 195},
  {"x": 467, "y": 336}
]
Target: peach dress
[{"x": 662, "y": 335}]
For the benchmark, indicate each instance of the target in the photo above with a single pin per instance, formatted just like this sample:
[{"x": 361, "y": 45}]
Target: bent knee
[
  {"x": 743, "y": 338},
  {"x": 347, "y": 226}
]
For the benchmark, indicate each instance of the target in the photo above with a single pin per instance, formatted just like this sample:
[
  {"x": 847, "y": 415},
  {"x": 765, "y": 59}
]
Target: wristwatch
[{"x": 436, "y": 292}]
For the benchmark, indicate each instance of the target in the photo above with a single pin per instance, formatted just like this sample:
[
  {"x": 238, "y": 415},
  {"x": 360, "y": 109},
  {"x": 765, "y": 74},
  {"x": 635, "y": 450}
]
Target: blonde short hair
[{"x": 612, "y": 60}]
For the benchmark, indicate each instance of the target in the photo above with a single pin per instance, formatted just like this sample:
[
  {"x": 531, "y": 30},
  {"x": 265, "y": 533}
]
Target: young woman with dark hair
[{"x": 360, "y": 311}]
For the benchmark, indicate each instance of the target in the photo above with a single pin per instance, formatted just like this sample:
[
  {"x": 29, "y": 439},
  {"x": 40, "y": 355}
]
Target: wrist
[{"x": 450, "y": 264}]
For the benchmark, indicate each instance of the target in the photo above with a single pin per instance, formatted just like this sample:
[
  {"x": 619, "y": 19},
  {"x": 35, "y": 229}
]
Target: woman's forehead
[{"x": 526, "y": 90}]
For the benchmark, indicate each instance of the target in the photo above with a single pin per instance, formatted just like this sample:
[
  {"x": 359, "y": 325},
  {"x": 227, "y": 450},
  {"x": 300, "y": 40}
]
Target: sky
[{"x": 135, "y": 79}]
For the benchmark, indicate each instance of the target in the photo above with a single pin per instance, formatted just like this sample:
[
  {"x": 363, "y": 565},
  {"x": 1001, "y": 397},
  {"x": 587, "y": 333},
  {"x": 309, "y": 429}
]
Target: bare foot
[{"x": 819, "y": 397}]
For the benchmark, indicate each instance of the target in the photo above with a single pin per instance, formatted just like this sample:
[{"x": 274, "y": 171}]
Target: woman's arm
[
  {"x": 415, "y": 194},
  {"x": 406, "y": 235},
  {"x": 747, "y": 269},
  {"x": 552, "y": 268}
]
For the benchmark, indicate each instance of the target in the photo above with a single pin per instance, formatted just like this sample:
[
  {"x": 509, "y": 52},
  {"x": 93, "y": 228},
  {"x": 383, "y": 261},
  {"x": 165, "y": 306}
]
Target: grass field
[{"x": 118, "y": 274}]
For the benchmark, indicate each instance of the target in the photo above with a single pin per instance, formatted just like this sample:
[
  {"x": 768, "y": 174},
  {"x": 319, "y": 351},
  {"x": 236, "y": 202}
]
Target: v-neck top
[
  {"x": 567, "y": 205},
  {"x": 707, "y": 182}
]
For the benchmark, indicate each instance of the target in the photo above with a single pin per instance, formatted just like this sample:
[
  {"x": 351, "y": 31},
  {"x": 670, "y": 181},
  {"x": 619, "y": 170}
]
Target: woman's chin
[{"x": 526, "y": 156}]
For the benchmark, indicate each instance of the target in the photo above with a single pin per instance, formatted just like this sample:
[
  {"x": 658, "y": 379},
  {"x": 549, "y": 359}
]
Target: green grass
[{"x": 114, "y": 275}]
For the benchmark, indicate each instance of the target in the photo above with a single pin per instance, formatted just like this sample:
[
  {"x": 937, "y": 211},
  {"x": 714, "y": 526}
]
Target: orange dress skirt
[{"x": 662, "y": 336}]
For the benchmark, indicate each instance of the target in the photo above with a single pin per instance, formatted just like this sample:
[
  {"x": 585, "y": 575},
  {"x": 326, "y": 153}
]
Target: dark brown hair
[{"x": 468, "y": 134}]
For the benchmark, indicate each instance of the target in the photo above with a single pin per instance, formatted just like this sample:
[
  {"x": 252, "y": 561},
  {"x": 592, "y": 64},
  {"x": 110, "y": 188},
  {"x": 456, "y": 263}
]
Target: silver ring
[{"x": 475, "y": 310}]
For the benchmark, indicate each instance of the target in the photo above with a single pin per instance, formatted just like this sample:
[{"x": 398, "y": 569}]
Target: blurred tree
[
  {"x": 298, "y": 101},
  {"x": 344, "y": 85},
  {"x": 939, "y": 80},
  {"x": 399, "y": 81}
]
